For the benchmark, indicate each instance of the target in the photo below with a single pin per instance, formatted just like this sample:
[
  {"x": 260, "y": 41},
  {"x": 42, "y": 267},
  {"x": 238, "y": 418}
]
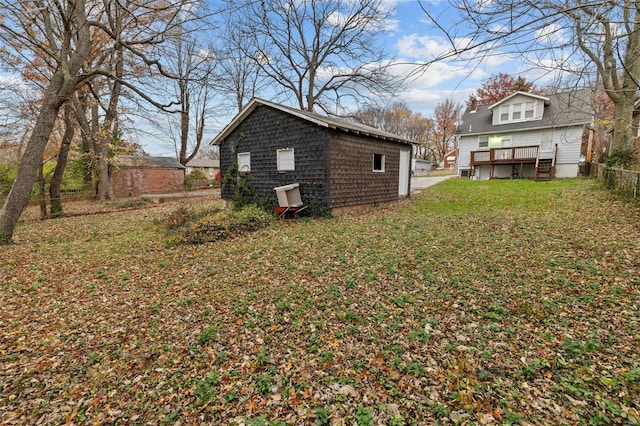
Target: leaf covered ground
[{"x": 500, "y": 302}]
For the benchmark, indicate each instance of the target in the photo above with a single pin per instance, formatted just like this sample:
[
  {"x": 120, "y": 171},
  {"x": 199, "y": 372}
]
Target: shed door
[{"x": 403, "y": 179}]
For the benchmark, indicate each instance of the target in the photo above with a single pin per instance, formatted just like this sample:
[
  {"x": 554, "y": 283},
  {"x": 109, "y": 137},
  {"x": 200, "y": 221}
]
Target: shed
[
  {"x": 338, "y": 164},
  {"x": 135, "y": 175}
]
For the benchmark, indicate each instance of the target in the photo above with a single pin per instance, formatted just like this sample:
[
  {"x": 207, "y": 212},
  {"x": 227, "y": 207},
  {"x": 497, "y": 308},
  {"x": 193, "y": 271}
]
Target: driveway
[{"x": 418, "y": 183}]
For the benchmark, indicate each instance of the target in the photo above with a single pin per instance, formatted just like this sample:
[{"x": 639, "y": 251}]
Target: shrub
[
  {"x": 218, "y": 225},
  {"x": 193, "y": 177}
]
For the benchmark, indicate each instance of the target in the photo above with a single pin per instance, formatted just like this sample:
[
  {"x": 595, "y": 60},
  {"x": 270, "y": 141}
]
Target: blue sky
[{"x": 411, "y": 38}]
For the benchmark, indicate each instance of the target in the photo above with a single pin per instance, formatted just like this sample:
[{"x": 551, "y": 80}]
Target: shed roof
[
  {"x": 133, "y": 161},
  {"x": 561, "y": 110},
  {"x": 320, "y": 120}
]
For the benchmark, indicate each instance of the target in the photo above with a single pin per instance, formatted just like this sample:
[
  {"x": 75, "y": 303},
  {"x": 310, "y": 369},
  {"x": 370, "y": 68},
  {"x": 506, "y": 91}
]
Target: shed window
[
  {"x": 244, "y": 162},
  {"x": 378, "y": 162},
  {"x": 285, "y": 160}
]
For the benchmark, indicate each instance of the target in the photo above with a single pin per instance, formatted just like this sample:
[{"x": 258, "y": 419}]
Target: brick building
[{"x": 132, "y": 176}]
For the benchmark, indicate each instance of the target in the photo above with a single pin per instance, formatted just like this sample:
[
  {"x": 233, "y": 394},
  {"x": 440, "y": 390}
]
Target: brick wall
[{"x": 129, "y": 182}]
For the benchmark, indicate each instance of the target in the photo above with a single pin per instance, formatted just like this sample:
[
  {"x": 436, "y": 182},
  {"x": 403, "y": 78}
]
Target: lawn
[{"x": 499, "y": 302}]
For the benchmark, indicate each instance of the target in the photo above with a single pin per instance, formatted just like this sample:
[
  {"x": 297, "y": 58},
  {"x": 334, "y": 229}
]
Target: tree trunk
[
  {"x": 61, "y": 164},
  {"x": 42, "y": 200},
  {"x": 18, "y": 197},
  {"x": 622, "y": 138},
  {"x": 103, "y": 170}
]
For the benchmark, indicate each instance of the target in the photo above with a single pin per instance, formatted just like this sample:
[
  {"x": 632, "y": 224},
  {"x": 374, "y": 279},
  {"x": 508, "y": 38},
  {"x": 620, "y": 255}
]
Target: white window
[
  {"x": 504, "y": 113},
  {"x": 546, "y": 141},
  {"x": 378, "y": 162},
  {"x": 285, "y": 160},
  {"x": 529, "y": 109},
  {"x": 517, "y": 112},
  {"x": 244, "y": 162},
  {"x": 483, "y": 141}
]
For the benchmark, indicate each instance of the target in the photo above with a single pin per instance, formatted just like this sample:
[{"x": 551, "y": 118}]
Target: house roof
[
  {"x": 561, "y": 110},
  {"x": 131, "y": 161},
  {"x": 320, "y": 120},
  {"x": 530, "y": 95},
  {"x": 204, "y": 163}
]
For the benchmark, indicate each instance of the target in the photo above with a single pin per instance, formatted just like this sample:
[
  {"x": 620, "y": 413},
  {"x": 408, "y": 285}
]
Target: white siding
[{"x": 568, "y": 140}]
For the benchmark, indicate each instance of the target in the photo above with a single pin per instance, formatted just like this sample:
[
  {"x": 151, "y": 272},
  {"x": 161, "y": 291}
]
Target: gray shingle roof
[
  {"x": 320, "y": 120},
  {"x": 563, "y": 109}
]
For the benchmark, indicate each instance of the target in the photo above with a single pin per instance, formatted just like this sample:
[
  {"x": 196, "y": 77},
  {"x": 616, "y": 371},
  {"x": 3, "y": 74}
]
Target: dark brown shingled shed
[{"x": 337, "y": 164}]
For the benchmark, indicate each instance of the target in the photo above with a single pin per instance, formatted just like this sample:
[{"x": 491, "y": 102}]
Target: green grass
[{"x": 509, "y": 300}]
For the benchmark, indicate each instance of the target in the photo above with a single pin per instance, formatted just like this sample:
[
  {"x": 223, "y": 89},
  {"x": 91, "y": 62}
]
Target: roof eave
[
  {"x": 531, "y": 95},
  {"x": 527, "y": 129}
]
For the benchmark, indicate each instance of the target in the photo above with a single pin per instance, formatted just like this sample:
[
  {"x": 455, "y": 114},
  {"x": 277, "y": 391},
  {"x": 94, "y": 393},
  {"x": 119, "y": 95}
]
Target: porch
[{"x": 517, "y": 157}]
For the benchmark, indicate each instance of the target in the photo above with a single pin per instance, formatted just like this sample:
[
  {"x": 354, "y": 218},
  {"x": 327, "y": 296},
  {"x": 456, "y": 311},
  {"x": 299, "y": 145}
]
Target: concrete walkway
[{"x": 419, "y": 183}]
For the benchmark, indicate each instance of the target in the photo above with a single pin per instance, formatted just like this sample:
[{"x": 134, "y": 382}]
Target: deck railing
[{"x": 505, "y": 155}]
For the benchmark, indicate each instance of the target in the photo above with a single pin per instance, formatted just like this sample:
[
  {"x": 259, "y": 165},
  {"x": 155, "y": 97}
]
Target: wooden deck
[
  {"x": 521, "y": 155},
  {"x": 515, "y": 155}
]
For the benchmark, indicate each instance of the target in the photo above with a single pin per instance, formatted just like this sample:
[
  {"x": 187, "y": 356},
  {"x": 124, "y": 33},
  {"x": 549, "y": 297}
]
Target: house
[
  {"x": 337, "y": 164},
  {"x": 449, "y": 160},
  {"x": 524, "y": 135},
  {"x": 210, "y": 168},
  {"x": 133, "y": 175}
]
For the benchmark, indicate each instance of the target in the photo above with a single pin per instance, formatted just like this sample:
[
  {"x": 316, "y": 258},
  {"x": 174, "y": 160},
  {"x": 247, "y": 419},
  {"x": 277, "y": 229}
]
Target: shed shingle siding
[
  {"x": 353, "y": 180},
  {"x": 262, "y": 133}
]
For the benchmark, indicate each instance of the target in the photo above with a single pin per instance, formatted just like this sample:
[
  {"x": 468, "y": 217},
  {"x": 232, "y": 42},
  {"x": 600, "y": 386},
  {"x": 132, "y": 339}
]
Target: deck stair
[
  {"x": 546, "y": 167},
  {"x": 544, "y": 170}
]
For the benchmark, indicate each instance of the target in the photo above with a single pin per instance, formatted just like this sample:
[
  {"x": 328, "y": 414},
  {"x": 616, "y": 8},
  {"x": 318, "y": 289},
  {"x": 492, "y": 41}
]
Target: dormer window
[
  {"x": 529, "y": 109},
  {"x": 517, "y": 112},
  {"x": 517, "y": 108},
  {"x": 504, "y": 113}
]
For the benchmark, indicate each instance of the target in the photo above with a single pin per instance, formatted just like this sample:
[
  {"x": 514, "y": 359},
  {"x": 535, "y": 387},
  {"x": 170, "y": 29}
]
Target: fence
[
  {"x": 72, "y": 195},
  {"x": 623, "y": 182}
]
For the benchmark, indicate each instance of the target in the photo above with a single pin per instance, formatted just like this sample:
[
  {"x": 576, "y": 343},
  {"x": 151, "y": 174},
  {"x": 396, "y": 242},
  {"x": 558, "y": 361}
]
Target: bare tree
[
  {"x": 237, "y": 76},
  {"x": 63, "y": 32},
  {"x": 320, "y": 52},
  {"x": 193, "y": 65},
  {"x": 398, "y": 119},
  {"x": 570, "y": 36}
]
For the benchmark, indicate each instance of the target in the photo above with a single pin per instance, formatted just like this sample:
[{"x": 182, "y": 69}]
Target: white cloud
[
  {"x": 551, "y": 34},
  {"x": 425, "y": 48}
]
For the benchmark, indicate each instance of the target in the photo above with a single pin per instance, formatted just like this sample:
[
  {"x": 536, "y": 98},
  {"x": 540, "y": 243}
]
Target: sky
[
  {"x": 409, "y": 38},
  {"x": 415, "y": 39}
]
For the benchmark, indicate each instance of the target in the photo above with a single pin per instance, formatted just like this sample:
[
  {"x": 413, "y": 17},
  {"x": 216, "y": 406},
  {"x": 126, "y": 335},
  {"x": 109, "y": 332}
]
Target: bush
[
  {"x": 7, "y": 175},
  {"x": 184, "y": 228},
  {"x": 197, "y": 175}
]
